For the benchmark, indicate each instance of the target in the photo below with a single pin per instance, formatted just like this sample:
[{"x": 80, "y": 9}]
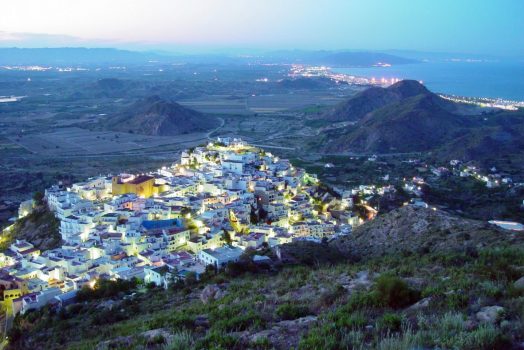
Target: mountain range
[{"x": 100, "y": 56}]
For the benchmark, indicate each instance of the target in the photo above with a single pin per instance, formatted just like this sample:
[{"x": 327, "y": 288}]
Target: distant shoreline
[{"x": 495, "y": 81}]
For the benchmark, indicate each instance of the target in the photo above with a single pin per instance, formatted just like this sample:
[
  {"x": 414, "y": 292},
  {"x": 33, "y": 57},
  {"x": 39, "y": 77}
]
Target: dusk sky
[{"x": 466, "y": 26}]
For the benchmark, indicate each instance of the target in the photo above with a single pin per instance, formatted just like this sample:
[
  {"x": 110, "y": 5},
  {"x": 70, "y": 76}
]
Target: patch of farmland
[{"x": 74, "y": 140}]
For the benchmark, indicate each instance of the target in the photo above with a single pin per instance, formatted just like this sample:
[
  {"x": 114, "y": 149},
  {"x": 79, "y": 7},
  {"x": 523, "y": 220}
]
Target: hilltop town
[{"x": 219, "y": 200}]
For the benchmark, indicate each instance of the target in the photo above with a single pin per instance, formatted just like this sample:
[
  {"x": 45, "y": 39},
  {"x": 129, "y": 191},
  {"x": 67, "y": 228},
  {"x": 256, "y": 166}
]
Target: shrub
[
  {"x": 451, "y": 323},
  {"x": 484, "y": 337},
  {"x": 239, "y": 322},
  {"x": 390, "y": 322},
  {"x": 491, "y": 289},
  {"x": 261, "y": 343},
  {"x": 394, "y": 292},
  {"x": 500, "y": 263},
  {"x": 291, "y": 311},
  {"x": 216, "y": 340},
  {"x": 319, "y": 339},
  {"x": 105, "y": 289},
  {"x": 361, "y": 300},
  {"x": 180, "y": 341},
  {"x": 329, "y": 297},
  {"x": 407, "y": 340},
  {"x": 457, "y": 301},
  {"x": 354, "y": 320}
]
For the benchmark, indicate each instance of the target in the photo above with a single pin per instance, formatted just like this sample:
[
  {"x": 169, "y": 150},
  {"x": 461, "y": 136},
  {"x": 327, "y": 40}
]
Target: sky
[{"x": 494, "y": 27}]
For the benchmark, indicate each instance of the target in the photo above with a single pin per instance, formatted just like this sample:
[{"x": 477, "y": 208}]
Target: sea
[{"x": 492, "y": 79}]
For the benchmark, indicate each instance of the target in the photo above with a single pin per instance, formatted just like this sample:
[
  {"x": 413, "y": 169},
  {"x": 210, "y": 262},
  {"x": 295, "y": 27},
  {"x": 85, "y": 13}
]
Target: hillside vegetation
[
  {"x": 411, "y": 230},
  {"x": 321, "y": 298},
  {"x": 406, "y": 117},
  {"x": 40, "y": 227}
]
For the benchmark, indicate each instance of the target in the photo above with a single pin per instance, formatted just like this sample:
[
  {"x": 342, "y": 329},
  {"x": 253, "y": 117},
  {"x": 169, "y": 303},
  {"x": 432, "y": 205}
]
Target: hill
[
  {"x": 499, "y": 142},
  {"x": 40, "y": 227},
  {"x": 415, "y": 230},
  {"x": 406, "y": 117},
  {"x": 414, "y": 124},
  {"x": 440, "y": 299},
  {"x": 159, "y": 117},
  {"x": 374, "y": 98},
  {"x": 335, "y": 58},
  {"x": 362, "y": 59}
]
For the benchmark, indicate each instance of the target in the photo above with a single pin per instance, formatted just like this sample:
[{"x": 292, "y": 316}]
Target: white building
[{"x": 219, "y": 257}]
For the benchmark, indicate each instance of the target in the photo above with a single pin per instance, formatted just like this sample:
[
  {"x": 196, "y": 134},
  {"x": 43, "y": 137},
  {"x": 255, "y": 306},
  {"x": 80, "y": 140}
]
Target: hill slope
[
  {"x": 414, "y": 124},
  {"x": 40, "y": 227},
  {"x": 374, "y": 98},
  {"x": 158, "y": 117},
  {"x": 406, "y": 117},
  {"x": 420, "y": 230},
  {"x": 419, "y": 297}
]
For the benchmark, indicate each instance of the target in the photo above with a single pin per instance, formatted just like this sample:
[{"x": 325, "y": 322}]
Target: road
[
  {"x": 222, "y": 122},
  {"x": 275, "y": 147}
]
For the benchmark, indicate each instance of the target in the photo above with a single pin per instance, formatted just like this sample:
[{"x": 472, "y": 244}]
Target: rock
[
  {"x": 212, "y": 292},
  {"x": 519, "y": 284},
  {"x": 490, "y": 314},
  {"x": 415, "y": 282},
  {"x": 470, "y": 324},
  {"x": 361, "y": 280},
  {"x": 283, "y": 334},
  {"x": 202, "y": 321},
  {"x": 421, "y": 304},
  {"x": 411, "y": 229},
  {"x": 126, "y": 342},
  {"x": 159, "y": 332},
  {"x": 108, "y": 304},
  {"x": 119, "y": 342}
]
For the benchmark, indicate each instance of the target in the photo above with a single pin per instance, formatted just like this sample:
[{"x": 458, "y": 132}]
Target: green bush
[
  {"x": 354, "y": 320},
  {"x": 291, "y": 311},
  {"x": 329, "y": 297},
  {"x": 456, "y": 301},
  {"x": 236, "y": 318},
  {"x": 105, "y": 289},
  {"x": 362, "y": 300},
  {"x": 389, "y": 322},
  {"x": 324, "y": 337},
  {"x": 216, "y": 340},
  {"x": 180, "y": 341},
  {"x": 394, "y": 292},
  {"x": 500, "y": 263}
]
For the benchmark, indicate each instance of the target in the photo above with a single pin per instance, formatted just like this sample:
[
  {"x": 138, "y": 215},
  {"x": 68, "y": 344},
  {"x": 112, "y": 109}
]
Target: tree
[
  {"x": 226, "y": 236},
  {"x": 191, "y": 278},
  {"x": 38, "y": 197},
  {"x": 253, "y": 217}
]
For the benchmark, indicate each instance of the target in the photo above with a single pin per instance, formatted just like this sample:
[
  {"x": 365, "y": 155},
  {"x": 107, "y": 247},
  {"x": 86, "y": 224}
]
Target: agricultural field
[{"x": 76, "y": 141}]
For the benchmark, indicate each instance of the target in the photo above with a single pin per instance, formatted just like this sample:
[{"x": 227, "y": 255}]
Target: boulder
[
  {"x": 212, "y": 292},
  {"x": 519, "y": 284},
  {"x": 490, "y": 314},
  {"x": 421, "y": 304},
  {"x": 283, "y": 334},
  {"x": 126, "y": 342},
  {"x": 119, "y": 342}
]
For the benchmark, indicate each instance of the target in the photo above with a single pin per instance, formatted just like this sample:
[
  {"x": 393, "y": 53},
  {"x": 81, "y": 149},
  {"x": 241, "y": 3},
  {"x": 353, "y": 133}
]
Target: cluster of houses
[
  {"x": 492, "y": 180},
  {"x": 219, "y": 200}
]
